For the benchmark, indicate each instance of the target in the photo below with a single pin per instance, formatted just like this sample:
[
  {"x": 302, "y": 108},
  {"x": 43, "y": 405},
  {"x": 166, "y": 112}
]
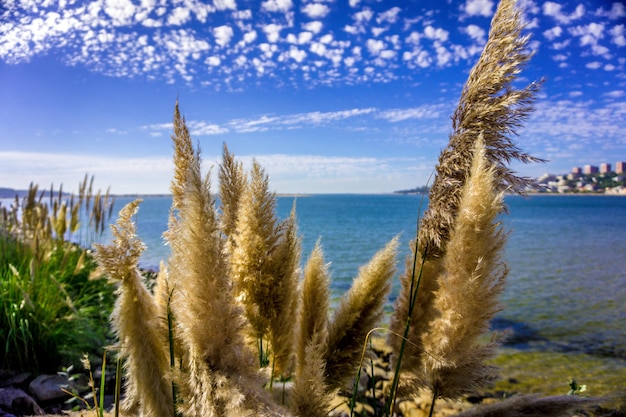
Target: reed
[
  {"x": 51, "y": 308},
  {"x": 432, "y": 308},
  {"x": 233, "y": 284}
]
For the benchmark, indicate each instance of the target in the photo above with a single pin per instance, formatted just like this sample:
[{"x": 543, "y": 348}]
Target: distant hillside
[
  {"x": 11, "y": 193},
  {"x": 418, "y": 190}
]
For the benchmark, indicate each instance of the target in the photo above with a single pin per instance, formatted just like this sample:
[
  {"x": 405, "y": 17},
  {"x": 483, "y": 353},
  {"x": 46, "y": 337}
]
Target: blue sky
[{"x": 328, "y": 95}]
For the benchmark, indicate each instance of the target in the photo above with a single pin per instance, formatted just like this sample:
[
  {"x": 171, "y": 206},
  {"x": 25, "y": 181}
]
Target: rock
[
  {"x": 49, "y": 387},
  {"x": 19, "y": 380},
  {"x": 18, "y": 402}
]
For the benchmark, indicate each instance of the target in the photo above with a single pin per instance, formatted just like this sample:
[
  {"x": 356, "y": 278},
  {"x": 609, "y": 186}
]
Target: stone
[
  {"x": 18, "y": 380},
  {"x": 49, "y": 387},
  {"x": 18, "y": 402}
]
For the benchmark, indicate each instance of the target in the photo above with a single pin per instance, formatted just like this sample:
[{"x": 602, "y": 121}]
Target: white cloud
[
  {"x": 316, "y": 10},
  {"x": 594, "y": 65},
  {"x": 437, "y": 34},
  {"x": 241, "y": 60},
  {"x": 121, "y": 11},
  {"x": 297, "y": 120},
  {"x": 617, "y": 34},
  {"x": 213, "y": 61},
  {"x": 223, "y": 35},
  {"x": 443, "y": 55},
  {"x": 277, "y": 5},
  {"x": 617, "y": 11},
  {"x": 479, "y": 8},
  {"x": 250, "y": 37},
  {"x": 297, "y": 54},
  {"x": 354, "y": 3},
  {"x": 476, "y": 32},
  {"x": 561, "y": 45},
  {"x": 179, "y": 16},
  {"x": 413, "y": 38},
  {"x": 364, "y": 15},
  {"x": 305, "y": 37},
  {"x": 150, "y": 175},
  {"x": 326, "y": 39},
  {"x": 272, "y": 31},
  {"x": 269, "y": 49},
  {"x": 313, "y": 27},
  {"x": 389, "y": 16},
  {"x": 399, "y": 115},
  {"x": 589, "y": 34},
  {"x": 205, "y": 129},
  {"x": 225, "y": 4},
  {"x": 417, "y": 57},
  {"x": 374, "y": 46},
  {"x": 353, "y": 29},
  {"x": 242, "y": 14},
  {"x": 318, "y": 48},
  {"x": 554, "y": 10},
  {"x": 388, "y": 54},
  {"x": 553, "y": 33},
  {"x": 377, "y": 31}
]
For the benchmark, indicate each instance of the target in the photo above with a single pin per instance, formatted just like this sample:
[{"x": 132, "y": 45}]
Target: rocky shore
[{"x": 25, "y": 394}]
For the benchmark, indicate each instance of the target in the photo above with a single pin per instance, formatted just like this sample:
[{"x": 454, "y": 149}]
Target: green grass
[
  {"x": 525, "y": 371},
  {"x": 51, "y": 311}
]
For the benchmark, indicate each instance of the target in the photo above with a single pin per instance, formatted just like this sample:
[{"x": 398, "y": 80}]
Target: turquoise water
[
  {"x": 567, "y": 256},
  {"x": 566, "y": 290}
]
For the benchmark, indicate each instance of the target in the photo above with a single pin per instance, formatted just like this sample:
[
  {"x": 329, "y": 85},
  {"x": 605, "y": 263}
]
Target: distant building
[
  {"x": 590, "y": 169},
  {"x": 577, "y": 170},
  {"x": 620, "y": 167},
  {"x": 605, "y": 168}
]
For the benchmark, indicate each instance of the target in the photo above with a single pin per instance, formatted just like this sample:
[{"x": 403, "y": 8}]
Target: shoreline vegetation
[
  {"x": 234, "y": 327},
  {"x": 610, "y": 183}
]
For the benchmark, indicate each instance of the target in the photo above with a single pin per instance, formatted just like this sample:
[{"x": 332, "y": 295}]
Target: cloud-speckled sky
[{"x": 329, "y": 95}]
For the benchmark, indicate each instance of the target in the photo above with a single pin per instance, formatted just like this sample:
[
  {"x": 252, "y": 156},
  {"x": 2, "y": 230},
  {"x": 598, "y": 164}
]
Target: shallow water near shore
[{"x": 564, "y": 302}]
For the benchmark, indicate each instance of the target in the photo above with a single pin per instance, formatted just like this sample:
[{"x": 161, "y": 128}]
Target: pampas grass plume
[
  {"x": 314, "y": 305},
  {"x": 491, "y": 106},
  {"x": 310, "y": 396},
  {"x": 468, "y": 292},
  {"x": 232, "y": 182},
  {"x": 255, "y": 239},
  {"x": 135, "y": 322},
  {"x": 359, "y": 311},
  {"x": 285, "y": 267}
]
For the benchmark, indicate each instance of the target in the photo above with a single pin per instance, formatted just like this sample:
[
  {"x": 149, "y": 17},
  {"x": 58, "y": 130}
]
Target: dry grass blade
[
  {"x": 232, "y": 180},
  {"x": 489, "y": 105},
  {"x": 359, "y": 312},
  {"x": 469, "y": 289},
  {"x": 314, "y": 304},
  {"x": 285, "y": 267},
  {"x": 183, "y": 158},
  {"x": 135, "y": 321}
]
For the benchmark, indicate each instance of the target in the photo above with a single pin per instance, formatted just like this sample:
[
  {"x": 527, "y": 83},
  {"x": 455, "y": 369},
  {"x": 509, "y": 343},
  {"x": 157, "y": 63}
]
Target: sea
[{"x": 564, "y": 307}]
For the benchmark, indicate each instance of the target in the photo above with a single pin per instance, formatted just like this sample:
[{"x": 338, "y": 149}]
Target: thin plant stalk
[
  {"x": 432, "y": 403},
  {"x": 358, "y": 372},
  {"x": 118, "y": 384},
  {"x": 102, "y": 384},
  {"x": 170, "y": 334},
  {"x": 412, "y": 297}
]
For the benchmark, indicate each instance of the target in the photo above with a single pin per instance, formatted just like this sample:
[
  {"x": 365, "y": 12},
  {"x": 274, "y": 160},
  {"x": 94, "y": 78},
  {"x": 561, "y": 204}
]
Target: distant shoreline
[{"x": 9, "y": 193}]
